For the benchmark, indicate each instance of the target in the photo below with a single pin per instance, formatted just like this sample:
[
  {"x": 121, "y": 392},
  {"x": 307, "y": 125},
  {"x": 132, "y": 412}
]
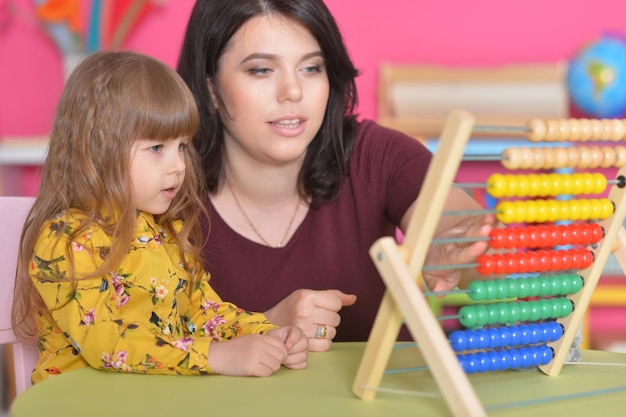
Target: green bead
[
  {"x": 513, "y": 285},
  {"x": 502, "y": 289},
  {"x": 545, "y": 286},
  {"x": 514, "y": 311},
  {"x": 504, "y": 312},
  {"x": 556, "y": 282},
  {"x": 545, "y": 308},
  {"x": 524, "y": 311},
  {"x": 476, "y": 290},
  {"x": 467, "y": 316},
  {"x": 533, "y": 286},
  {"x": 482, "y": 315},
  {"x": 577, "y": 283},
  {"x": 490, "y": 290},
  {"x": 523, "y": 288}
]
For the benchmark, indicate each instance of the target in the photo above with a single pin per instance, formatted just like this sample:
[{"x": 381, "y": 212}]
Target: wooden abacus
[{"x": 561, "y": 300}]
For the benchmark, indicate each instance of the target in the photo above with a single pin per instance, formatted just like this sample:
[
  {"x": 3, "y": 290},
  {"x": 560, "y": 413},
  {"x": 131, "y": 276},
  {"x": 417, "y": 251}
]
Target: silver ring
[{"x": 321, "y": 332}]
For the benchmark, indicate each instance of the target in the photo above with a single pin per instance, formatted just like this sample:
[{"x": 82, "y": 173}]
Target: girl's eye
[
  {"x": 156, "y": 148},
  {"x": 182, "y": 146}
]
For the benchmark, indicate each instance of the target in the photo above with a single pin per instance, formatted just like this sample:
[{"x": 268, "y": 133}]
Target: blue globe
[{"x": 596, "y": 78}]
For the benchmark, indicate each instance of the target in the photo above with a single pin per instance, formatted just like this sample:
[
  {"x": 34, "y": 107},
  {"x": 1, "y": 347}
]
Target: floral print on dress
[{"x": 146, "y": 316}]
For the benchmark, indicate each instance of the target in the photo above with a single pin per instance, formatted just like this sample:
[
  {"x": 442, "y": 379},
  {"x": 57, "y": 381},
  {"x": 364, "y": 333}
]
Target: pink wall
[{"x": 447, "y": 32}]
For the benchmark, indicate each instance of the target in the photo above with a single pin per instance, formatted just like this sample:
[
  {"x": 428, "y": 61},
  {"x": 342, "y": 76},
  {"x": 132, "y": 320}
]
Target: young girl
[{"x": 110, "y": 262}]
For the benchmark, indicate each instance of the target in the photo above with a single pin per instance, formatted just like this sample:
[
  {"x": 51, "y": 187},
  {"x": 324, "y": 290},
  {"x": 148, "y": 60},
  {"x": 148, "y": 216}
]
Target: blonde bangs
[{"x": 161, "y": 108}]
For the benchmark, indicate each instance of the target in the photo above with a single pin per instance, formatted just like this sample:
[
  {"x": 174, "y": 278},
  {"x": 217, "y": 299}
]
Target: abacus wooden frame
[{"x": 399, "y": 265}]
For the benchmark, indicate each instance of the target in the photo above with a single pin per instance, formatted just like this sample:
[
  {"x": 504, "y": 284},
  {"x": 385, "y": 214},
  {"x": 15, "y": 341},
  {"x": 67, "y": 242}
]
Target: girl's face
[
  {"x": 274, "y": 86},
  {"x": 157, "y": 171}
]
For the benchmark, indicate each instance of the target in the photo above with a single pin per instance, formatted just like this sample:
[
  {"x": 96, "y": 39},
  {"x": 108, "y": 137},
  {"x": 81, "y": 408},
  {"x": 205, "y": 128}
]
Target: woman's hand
[
  {"x": 312, "y": 311},
  {"x": 458, "y": 253}
]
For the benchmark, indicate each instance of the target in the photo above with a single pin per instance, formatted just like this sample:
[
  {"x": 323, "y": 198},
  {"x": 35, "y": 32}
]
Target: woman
[{"x": 299, "y": 189}]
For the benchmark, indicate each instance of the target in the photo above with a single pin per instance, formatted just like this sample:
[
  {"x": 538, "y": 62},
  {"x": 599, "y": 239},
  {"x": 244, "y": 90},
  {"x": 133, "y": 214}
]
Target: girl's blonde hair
[{"x": 110, "y": 100}]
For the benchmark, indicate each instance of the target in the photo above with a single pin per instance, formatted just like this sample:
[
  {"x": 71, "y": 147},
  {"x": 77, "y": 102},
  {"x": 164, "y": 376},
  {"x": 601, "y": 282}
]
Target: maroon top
[{"x": 330, "y": 248}]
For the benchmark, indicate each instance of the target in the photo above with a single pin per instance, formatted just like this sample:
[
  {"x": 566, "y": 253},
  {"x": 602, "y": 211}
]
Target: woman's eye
[
  {"x": 313, "y": 68},
  {"x": 259, "y": 71}
]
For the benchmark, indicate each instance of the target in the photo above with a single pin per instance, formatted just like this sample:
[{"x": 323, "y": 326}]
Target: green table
[{"x": 324, "y": 389}]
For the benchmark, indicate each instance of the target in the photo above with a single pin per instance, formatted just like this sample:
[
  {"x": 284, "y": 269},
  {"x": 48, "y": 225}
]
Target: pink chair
[{"x": 13, "y": 211}]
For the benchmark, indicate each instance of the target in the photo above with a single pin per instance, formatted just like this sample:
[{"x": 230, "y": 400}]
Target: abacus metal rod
[
  {"x": 502, "y": 129},
  {"x": 459, "y": 240},
  {"x": 469, "y": 212},
  {"x": 480, "y": 158}
]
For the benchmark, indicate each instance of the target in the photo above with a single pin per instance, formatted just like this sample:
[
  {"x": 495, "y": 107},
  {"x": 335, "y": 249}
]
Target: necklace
[{"x": 253, "y": 227}]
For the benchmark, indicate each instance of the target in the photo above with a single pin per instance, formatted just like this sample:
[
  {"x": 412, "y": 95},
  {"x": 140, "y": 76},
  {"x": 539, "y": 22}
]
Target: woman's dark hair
[{"x": 211, "y": 26}]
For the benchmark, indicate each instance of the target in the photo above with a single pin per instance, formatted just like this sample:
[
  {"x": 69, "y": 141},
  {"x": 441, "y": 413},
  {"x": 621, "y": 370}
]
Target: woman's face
[{"x": 274, "y": 90}]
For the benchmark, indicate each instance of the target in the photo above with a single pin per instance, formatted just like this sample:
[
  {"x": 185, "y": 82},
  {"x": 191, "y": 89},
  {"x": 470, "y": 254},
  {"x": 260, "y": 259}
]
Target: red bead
[
  {"x": 575, "y": 259},
  {"x": 544, "y": 261},
  {"x": 566, "y": 261},
  {"x": 576, "y": 234},
  {"x": 552, "y": 236},
  {"x": 500, "y": 264},
  {"x": 555, "y": 261},
  {"x": 522, "y": 261},
  {"x": 486, "y": 264},
  {"x": 597, "y": 232},
  {"x": 565, "y": 235},
  {"x": 523, "y": 238},
  {"x": 533, "y": 237},
  {"x": 533, "y": 262},
  {"x": 512, "y": 264},
  {"x": 587, "y": 258},
  {"x": 497, "y": 238}
]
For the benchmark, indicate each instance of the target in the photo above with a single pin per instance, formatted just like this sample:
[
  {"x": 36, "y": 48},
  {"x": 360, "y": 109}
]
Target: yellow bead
[
  {"x": 588, "y": 184},
  {"x": 531, "y": 212},
  {"x": 523, "y": 185},
  {"x": 577, "y": 184},
  {"x": 511, "y": 185},
  {"x": 574, "y": 210},
  {"x": 520, "y": 211},
  {"x": 585, "y": 208},
  {"x": 567, "y": 184},
  {"x": 565, "y": 210},
  {"x": 534, "y": 181},
  {"x": 505, "y": 212},
  {"x": 496, "y": 185},
  {"x": 544, "y": 185},
  {"x": 556, "y": 182},
  {"x": 607, "y": 208},
  {"x": 542, "y": 210},
  {"x": 554, "y": 210},
  {"x": 600, "y": 183}
]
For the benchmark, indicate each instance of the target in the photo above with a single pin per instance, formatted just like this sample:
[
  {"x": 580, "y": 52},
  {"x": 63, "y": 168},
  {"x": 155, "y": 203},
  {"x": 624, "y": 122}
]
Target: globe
[{"x": 596, "y": 78}]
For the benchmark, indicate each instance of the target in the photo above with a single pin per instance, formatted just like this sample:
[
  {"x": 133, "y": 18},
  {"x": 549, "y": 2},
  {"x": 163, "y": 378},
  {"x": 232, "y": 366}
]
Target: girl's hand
[
  {"x": 297, "y": 345},
  {"x": 248, "y": 355},
  {"x": 310, "y": 309}
]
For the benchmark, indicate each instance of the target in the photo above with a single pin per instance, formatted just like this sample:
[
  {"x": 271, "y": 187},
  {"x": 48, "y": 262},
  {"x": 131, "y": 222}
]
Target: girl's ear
[{"x": 214, "y": 99}]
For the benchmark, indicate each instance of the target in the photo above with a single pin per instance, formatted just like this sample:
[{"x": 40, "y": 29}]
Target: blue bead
[
  {"x": 516, "y": 336},
  {"x": 482, "y": 338},
  {"x": 493, "y": 335},
  {"x": 458, "y": 340}
]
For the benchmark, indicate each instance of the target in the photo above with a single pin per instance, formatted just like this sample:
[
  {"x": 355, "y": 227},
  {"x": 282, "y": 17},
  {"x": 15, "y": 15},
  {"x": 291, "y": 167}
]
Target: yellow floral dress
[{"x": 142, "y": 317}]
